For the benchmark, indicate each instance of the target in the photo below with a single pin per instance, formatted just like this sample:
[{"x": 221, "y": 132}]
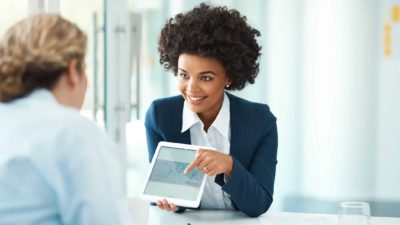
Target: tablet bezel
[{"x": 176, "y": 201}]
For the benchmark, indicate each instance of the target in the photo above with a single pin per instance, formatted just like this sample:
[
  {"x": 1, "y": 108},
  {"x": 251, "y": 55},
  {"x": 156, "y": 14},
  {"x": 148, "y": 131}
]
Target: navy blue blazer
[{"x": 254, "y": 143}]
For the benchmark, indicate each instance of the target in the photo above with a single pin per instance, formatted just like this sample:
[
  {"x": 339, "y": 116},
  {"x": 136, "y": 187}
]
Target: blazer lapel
[
  {"x": 238, "y": 135},
  {"x": 238, "y": 131},
  {"x": 185, "y": 137},
  {"x": 180, "y": 137}
]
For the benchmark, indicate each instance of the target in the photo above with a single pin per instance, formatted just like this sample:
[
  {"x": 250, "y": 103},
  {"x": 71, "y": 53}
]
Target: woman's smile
[{"x": 195, "y": 99}]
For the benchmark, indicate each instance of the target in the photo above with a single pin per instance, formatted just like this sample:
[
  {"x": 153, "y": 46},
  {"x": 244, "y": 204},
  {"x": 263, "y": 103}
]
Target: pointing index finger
[
  {"x": 190, "y": 167},
  {"x": 194, "y": 163}
]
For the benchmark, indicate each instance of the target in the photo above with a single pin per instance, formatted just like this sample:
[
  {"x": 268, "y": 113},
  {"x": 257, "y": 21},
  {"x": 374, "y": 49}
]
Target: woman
[
  {"x": 211, "y": 50},
  {"x": 55, "y": 166}
]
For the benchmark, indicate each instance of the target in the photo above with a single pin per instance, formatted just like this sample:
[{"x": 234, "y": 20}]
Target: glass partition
[{"x": 89, "y": 17}]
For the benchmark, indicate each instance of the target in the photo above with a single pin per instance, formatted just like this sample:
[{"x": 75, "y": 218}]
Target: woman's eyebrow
[
  {"x": 182, "y": 70},
  {"x": 207, "y": 72},
  {"x": 201, "y": 73}
]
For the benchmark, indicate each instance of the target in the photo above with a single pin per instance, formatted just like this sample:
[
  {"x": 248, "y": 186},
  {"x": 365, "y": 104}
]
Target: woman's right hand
[{"x": 164, "y": 204}]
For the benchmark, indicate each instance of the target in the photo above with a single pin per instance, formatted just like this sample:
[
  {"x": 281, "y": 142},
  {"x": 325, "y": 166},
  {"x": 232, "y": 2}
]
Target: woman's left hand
[{"x": 211, "y": 162}]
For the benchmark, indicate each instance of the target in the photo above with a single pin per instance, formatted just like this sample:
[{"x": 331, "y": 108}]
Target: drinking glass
[{"x": 353, "y": 213}]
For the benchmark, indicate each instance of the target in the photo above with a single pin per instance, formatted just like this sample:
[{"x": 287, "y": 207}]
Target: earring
[{"x": 227, "y": 86}]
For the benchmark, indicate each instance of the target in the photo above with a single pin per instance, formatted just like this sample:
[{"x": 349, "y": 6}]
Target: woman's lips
[{"x": 195, "y": 99}]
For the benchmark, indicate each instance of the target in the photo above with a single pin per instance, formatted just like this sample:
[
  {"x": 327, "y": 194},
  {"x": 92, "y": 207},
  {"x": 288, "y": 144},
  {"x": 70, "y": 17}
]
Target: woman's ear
[
  {"x": 73, "y": 75},
  {"x": 228, "y": 83}
]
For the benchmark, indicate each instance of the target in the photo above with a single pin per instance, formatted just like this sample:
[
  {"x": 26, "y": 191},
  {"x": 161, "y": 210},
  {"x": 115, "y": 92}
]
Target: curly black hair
[{"x": 214, "y": 32}]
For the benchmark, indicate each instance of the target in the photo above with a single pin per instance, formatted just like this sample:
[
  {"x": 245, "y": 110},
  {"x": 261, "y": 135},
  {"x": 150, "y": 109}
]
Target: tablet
[{"x": 165, "y": 178}]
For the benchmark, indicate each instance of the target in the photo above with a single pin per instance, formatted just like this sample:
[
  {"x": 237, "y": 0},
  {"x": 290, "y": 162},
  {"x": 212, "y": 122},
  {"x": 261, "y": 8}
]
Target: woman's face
[
  {"x": 82, "y": 86},
  {"x": 79, "y": 84},
  {"x": 201, "y": 81}
]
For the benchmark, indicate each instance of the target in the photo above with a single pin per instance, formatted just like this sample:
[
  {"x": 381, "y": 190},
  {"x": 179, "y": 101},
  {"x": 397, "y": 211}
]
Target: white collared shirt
[{"x": 218, "y": 137}]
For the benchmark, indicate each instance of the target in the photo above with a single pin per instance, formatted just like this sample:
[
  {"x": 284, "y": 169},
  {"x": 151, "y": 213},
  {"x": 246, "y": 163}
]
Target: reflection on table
[
  {"x": 200, "y": 217},
  {"x": 155, "y": 216}
]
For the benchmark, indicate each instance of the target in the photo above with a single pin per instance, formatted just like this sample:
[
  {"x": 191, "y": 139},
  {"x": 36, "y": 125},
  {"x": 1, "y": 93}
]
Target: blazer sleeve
[
  {"x": 152, "y": 134},
  {"x": 251, "y": 189}
]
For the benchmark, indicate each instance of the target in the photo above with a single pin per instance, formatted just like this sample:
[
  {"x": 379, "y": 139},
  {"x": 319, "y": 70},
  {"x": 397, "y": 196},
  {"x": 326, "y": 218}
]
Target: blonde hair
[{"x": 35, "y": 52}]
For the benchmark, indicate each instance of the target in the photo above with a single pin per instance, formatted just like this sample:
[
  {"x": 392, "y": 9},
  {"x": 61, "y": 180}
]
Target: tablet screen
[{"x": 167, "y": 178}]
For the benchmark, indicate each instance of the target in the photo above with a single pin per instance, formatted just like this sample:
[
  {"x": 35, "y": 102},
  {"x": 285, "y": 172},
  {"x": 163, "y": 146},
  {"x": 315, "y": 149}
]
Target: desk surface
[
  {"x": 156, "y": 216},
  {"x": 278, "y": 218},
  {"x": 229, "y": 217},
  {"x": 200, "y": 217}
]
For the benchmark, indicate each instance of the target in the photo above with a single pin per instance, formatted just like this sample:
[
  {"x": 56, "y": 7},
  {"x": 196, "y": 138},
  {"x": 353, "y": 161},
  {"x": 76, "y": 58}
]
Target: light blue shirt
[{"x": 56, "y": 167}]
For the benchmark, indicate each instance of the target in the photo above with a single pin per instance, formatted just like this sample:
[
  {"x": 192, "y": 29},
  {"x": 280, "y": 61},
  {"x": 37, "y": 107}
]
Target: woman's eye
[
  {"x": 183, "y": 76},
  {"x": 206, "y": 78}
]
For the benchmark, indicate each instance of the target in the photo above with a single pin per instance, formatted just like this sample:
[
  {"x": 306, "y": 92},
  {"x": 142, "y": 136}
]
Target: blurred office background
[{"x": 330, "y": 71}]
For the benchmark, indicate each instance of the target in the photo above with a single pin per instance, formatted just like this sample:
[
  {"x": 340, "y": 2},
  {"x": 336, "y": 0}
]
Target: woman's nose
[{"x": 192, "y": 85}]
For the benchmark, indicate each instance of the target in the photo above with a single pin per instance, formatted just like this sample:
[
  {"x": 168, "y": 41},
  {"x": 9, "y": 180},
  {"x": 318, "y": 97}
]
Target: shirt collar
[
  {"x": 221, "y": 122},
  {"x": 43, "y": 95}
]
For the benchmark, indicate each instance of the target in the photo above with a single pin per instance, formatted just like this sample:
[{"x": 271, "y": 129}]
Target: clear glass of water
[{"x": 354, "y": 213}]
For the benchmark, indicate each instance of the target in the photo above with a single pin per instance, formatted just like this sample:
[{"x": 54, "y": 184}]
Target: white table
[
  {"x": 156, "y": 216},
  {"x": 200, "y": 217},
  {"x": 280, "y": 218}
]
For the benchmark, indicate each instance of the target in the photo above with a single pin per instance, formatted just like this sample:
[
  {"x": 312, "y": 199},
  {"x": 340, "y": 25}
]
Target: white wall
[
  {"x": 388, "y": 148},
  {"x": 337, "y": 103},
  {"x": 339, "y": 96},
  {"x": 388, "y": 144},
  {"x": 283, "y": 87}
]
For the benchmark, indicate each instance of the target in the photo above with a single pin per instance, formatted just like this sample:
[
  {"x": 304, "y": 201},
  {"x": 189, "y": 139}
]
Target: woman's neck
[
  {"x": 208, "y": 117},
  {"x": 207, "y": 120}
]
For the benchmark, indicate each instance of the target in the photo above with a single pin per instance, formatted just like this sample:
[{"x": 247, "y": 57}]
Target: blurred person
[
  {"x": 56, "y": 167},
  {"x": 211, "y": 50}
]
